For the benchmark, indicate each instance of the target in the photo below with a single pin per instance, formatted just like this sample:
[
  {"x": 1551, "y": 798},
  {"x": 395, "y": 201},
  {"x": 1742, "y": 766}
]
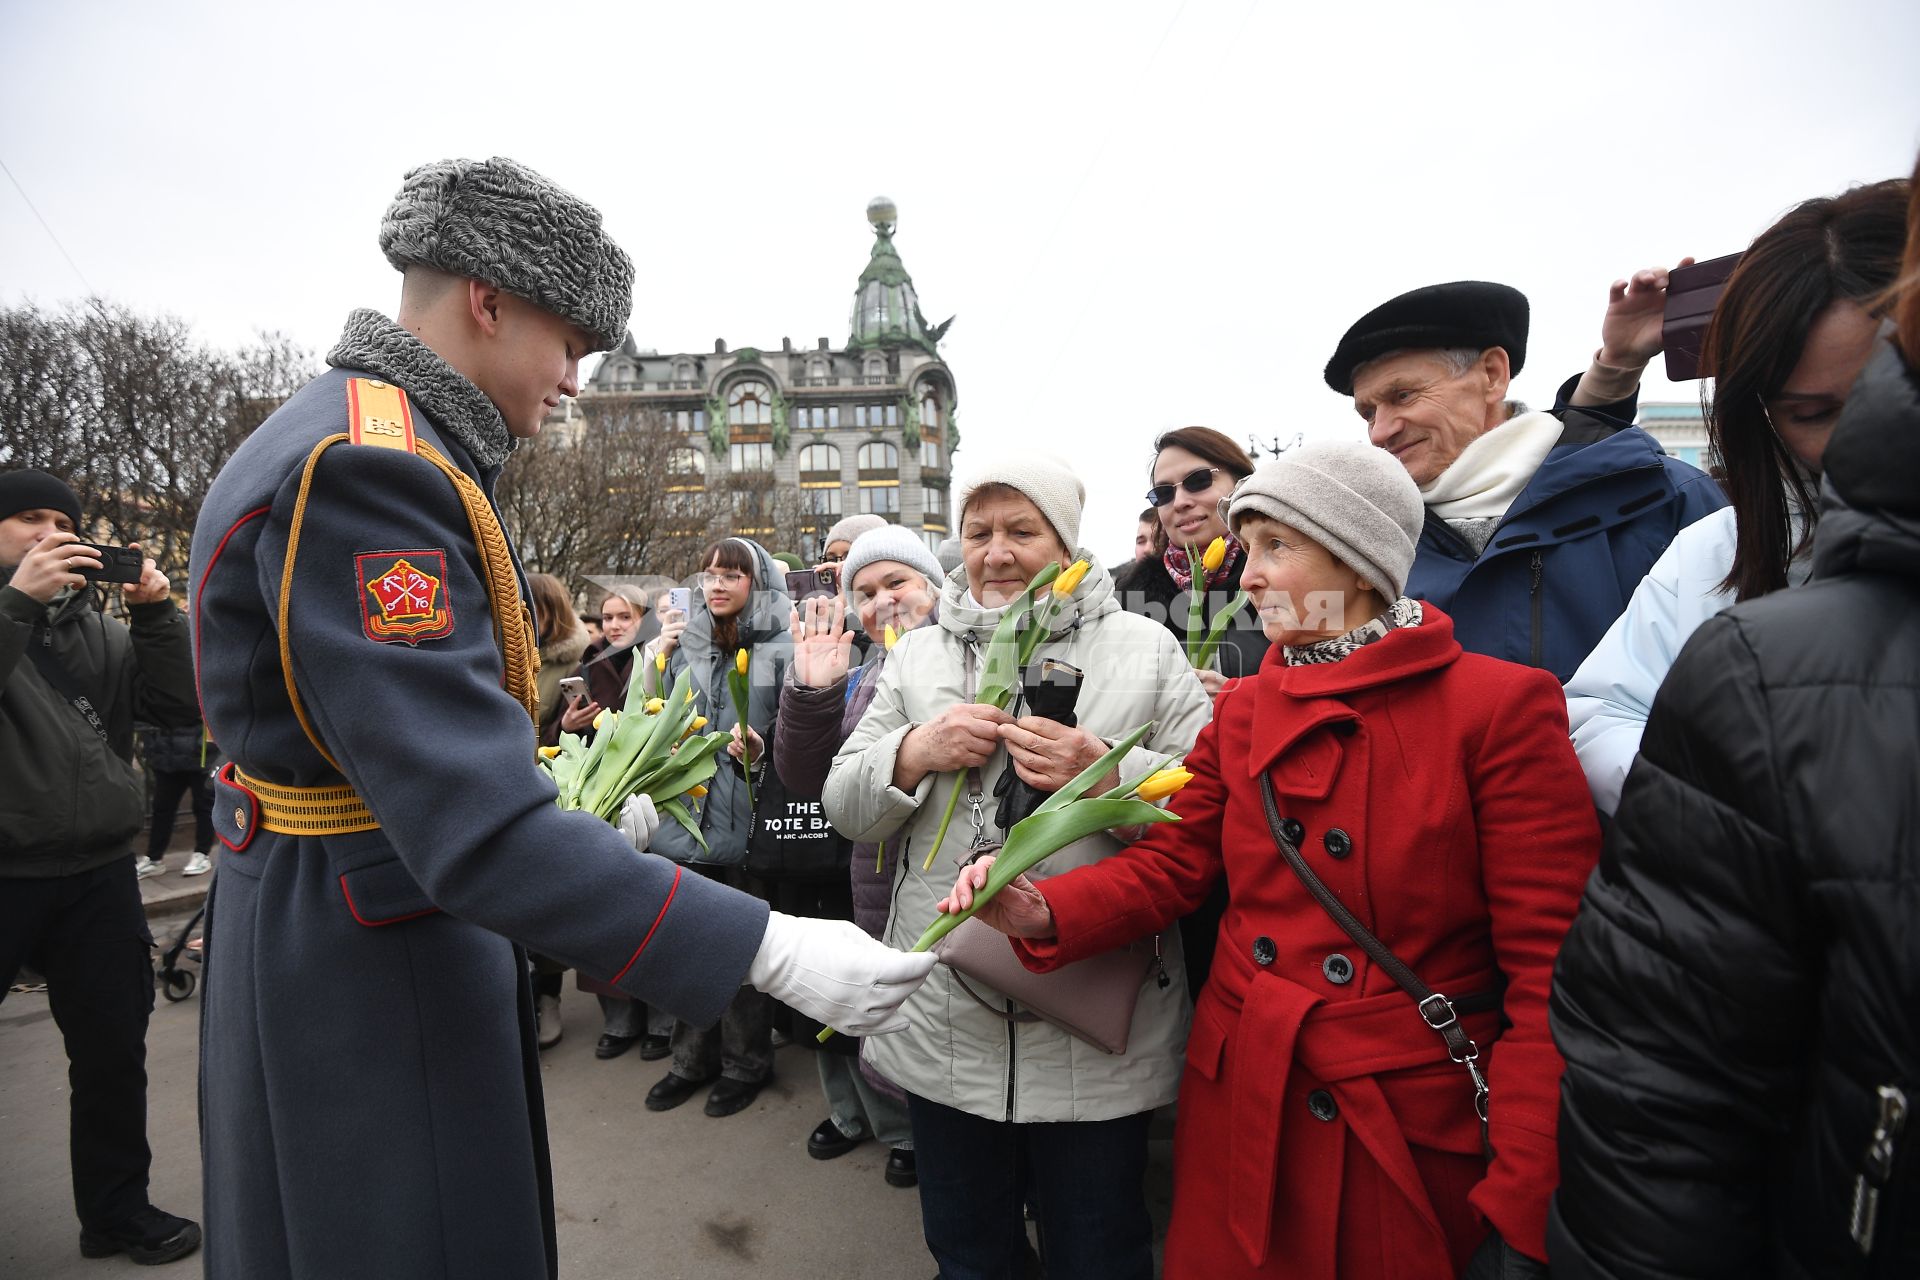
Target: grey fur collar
[{"x": 374, "y": 343}]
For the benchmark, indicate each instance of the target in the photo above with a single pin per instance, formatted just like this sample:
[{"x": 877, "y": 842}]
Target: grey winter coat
[
  {"x": 954, "y": 1052},
  {"x": 71, "y": 801},
  {"x": 724, "y": 818}
]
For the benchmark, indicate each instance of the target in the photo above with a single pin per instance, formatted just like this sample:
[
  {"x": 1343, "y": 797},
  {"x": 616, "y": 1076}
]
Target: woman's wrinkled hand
[
  {"x": 964, "y": 736},
  {"x": 1047, "y": 755},
  {"x": 1020, "y": 910},
  {"x": 822, "y": 644}
]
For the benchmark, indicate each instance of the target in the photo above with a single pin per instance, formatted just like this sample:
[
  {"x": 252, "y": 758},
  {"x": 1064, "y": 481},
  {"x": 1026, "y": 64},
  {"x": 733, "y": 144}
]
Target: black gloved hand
[
  {"x": 1052, "y": 691},
  {"x": 1495, "y": 1259}
]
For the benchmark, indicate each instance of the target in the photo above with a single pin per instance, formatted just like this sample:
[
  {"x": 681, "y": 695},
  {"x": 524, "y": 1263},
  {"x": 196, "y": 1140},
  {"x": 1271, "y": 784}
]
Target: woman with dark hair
[
  {"x": 1736, "y": 1000},
  {"x": 1193, "y": 469},
  {"x": 563, "y": 640},
  {"x": 742, "y": 605},
  {"x": 1791, "y": 332}
]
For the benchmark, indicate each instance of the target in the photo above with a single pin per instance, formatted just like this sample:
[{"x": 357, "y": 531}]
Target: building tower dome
[{"x": 886, "y": 311}]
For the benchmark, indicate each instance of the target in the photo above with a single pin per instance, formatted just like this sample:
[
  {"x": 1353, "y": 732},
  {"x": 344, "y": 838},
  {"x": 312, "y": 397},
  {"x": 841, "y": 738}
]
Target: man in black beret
[
  {"x": 1539, "y": 524},
  {"x": 72, "y": 682}
]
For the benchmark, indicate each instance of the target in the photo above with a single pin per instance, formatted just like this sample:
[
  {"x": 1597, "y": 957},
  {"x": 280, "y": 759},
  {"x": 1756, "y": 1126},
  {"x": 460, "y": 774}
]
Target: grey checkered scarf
[{"x": 1404, "y": 612}]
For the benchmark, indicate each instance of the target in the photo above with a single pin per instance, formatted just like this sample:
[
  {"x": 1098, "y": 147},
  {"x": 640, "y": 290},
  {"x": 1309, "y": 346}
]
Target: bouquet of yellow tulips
[
  {"x": 656, "y": 746},
  {"x": 1069, "y": 814},
  {"x": 1202, "y": 640},
  {"x": 1023, "y": 627}
]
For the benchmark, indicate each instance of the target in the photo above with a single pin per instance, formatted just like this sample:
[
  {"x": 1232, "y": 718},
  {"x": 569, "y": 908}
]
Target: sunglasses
[{"x": 1197, "y": 481}]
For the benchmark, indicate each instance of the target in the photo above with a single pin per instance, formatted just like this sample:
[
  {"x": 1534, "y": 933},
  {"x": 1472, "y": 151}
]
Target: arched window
[
  {"x": 819, "y": 464},
  {"x": 683, "y": 373},
  {"x": 933, "y": 433},
  {"x": 875, "y": 370},
  {"x": 750, "y": 421},
  {"x": 935, "y": 507},
  {"x": 879, "y": 479}
]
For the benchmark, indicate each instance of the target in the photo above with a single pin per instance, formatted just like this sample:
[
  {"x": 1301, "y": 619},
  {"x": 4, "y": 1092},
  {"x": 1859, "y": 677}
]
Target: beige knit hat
[
  {"x": 1350, "y": 497},
  {"x": 1047, "y": 480}
]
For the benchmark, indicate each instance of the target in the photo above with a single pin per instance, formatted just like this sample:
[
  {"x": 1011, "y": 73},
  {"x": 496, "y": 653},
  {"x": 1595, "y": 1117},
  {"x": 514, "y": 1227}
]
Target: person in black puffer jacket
[{"x": 1739, "y": 1000}]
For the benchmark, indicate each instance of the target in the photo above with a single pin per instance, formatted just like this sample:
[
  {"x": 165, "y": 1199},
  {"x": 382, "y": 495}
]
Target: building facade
[
  {"x": 829, "y": 431},
  {"x": 1681, "y": 431}
]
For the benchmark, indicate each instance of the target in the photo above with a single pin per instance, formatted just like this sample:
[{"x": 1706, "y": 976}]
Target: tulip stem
[{"x": 946, "y": 820}]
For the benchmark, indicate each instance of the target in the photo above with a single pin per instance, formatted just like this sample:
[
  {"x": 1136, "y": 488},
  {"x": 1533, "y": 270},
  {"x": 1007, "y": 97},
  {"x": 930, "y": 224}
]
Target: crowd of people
[{"x": 1540, "y": 900}]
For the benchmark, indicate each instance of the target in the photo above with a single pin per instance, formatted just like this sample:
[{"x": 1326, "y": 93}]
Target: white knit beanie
[
  {"x": 852, "y": 527},
  {"x": 1047, "y": 480},
  {"x": 890, "y": 542},
  {"x": 1350, "y": 497}
]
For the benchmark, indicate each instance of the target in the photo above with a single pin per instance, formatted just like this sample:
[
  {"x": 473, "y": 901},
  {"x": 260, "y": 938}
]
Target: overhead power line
[{"x": 91, "y": 292}]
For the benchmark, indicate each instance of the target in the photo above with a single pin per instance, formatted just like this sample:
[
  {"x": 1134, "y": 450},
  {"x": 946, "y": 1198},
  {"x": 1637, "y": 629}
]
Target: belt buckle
[{"x": 1437, "y": 1012}]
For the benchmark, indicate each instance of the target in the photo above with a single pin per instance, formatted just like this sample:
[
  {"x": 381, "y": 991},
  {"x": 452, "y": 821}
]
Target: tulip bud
[
  {"x": 740, "y": 662},
  {"x": 892, "y": 637},
  {"x": 599, "y": 719},
  {"x": 548, "y": 753},
  {"x": 1163, "y": 784},
  {"x": 660, "y": 663},
  {"x": 1216, "y": 555},
  {"x": 697, "y": 791},
  {"x": 699, "y": 723},
  {"x": 1064, "y": 585},
  {"x": 654, "y": 706}
]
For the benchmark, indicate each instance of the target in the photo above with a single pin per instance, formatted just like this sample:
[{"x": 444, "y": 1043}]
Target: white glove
[
  {"x": 639, "y": 820},
  {"x": 834, "y": 973}
]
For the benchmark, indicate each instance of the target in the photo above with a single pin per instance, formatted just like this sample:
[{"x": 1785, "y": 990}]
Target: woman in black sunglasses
[{"x": 1194, "y": 469}]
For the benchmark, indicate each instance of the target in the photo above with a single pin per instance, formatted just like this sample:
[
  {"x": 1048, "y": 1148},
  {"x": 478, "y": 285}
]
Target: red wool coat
[{"x": 1323, "y": 1132}]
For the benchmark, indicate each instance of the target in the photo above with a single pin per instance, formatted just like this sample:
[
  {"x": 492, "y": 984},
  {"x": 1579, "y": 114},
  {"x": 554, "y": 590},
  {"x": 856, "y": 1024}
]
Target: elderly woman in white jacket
[
  {"x": 1790, "y": 334},
  {"x": 1006, "y": 1110}
]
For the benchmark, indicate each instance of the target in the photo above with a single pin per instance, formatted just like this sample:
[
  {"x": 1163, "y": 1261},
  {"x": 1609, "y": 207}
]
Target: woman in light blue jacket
[{"x": 1790, "y": 334}]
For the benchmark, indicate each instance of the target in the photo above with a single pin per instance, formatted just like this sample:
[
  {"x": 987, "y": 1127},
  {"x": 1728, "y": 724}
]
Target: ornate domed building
[{"x": 823, "y": 431}]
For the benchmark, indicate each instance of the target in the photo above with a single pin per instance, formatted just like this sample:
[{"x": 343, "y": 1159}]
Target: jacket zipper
[
  {"x": 1879, "y": 1166},
  {"x": 1539, "y": 604},
  {"x": 1013, "y": 1063}
]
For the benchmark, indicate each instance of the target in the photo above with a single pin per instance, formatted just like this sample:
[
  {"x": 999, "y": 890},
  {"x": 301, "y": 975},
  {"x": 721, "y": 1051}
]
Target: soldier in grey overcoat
[{"x": 370, "y": 1095}]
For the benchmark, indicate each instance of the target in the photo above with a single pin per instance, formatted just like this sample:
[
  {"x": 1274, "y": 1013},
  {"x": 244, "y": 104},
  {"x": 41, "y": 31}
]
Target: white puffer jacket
[{"x": 954, "y": 1052}]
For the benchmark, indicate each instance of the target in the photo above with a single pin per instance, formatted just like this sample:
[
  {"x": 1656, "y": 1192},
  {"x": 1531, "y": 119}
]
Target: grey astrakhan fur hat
[{"x": 499, "y": 221}]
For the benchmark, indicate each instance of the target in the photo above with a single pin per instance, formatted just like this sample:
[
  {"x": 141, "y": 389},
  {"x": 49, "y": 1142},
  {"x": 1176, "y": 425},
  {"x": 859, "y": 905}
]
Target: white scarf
[{"x": 1490, "y": 473}]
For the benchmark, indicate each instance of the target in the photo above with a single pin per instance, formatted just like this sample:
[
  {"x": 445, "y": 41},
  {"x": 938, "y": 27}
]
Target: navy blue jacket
[
  {"x": 370, "y": 1093},
  {"x": 1563, "y": 563}
]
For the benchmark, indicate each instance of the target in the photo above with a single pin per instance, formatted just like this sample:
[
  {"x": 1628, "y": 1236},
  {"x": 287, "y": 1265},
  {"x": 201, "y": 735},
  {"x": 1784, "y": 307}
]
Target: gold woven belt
[{"x": 308, "y": 811}]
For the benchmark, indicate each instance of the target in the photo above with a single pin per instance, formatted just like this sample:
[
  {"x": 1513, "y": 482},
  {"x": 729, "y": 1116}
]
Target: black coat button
[
  {"x": 1264, "y": 951},
  {"x": 1321, "y": 1103},
  {"x": 1339, "y": 843},
  {"x": 1292, "y": 829},
  {"x": 1338, "y": 968}
]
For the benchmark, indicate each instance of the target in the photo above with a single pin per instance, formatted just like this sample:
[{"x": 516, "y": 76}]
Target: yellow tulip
[
  {"x": 740, "y": 662},
  {"x": 1216, "y": 555},
  {"x": 697, "y": 791},
  {"x": 548, "y": 753},
  {"x": 598, "y": 719},
  {"x": 892, "y": 637},
  {"x": 689, "y": 697},
  {"x": 699, "y": 723},
  {"x": 1163, "y": 784},
  {"x": 654, "y": 706},
  {"x": 1064, "y": 585},
  {"x": 660, "y": 663}
]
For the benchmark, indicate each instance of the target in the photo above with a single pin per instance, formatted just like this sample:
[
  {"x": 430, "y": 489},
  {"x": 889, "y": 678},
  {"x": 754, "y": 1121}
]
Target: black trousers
[
  {"x": 168, "y": 787},
  {"x": 88, "y": 935}
]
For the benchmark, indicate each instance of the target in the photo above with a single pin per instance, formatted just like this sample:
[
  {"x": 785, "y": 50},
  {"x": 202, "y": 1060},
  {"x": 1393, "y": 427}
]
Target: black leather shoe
[
  {"x": 149, "y": 1237},
  {"x": 826, "y": 1141},
  {"x": 614, "y": 1046},
  {"x": 672, "y": 1091},
  {"x": 901, "y": 1169},
  {"x": 654, "y": 1048},
  {"x": 730, "y": 1096}
]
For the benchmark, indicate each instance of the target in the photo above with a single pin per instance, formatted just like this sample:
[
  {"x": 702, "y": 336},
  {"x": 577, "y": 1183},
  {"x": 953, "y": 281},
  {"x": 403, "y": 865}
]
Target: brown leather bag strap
[{"x": 1438, "y": 1012}]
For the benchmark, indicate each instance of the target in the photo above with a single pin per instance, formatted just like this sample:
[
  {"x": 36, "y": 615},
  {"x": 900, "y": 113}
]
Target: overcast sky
[{"x": 1144, "y": 214}]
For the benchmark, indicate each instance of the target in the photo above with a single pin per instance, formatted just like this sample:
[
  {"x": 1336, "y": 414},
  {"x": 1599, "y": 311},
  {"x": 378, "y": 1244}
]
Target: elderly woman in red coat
[{"x": 1326, "y": 1130}]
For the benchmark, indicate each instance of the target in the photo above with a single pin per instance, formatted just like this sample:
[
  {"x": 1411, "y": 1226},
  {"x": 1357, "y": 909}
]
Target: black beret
[
  {"x": 1465, "y": 313},
  {"x": 36, "y": 491}
]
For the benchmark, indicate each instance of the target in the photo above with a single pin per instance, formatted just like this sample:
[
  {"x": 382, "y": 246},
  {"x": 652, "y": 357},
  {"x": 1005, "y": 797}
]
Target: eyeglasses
[
  {"x": 1198, "y": 481},
  {"x": 832, "y": 557},
  {"x": 722, "y": 579}
]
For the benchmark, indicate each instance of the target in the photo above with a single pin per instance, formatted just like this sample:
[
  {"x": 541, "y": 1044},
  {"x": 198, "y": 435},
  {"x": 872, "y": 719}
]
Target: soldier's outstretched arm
[{"x": 406, "y": 696}]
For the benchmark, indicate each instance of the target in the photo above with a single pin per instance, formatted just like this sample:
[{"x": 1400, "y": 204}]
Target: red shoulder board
[{"x": 378, "y": 414}]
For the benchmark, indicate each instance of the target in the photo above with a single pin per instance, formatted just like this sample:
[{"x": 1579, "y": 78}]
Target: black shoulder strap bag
[
  {"x": 57, "y": 674},
  {"x": 1439, "y": 1013}
]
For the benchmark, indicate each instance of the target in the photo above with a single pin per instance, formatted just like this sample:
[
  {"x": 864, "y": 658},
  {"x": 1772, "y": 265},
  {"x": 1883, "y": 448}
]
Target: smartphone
[
  {"x": 681, "y": 598},
  {"x": 805, "y": 584},
  {"x": 1692, "y": 294},
  {"x": 117, "y": 564},
  {"x": 574, "y": 689}
]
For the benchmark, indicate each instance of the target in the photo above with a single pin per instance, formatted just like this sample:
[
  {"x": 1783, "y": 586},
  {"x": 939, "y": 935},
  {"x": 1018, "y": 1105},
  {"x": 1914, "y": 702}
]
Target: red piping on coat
[
  {"x": 671, "y": 890},
  {"x": 375, "y": 924},
  {"x": 204, "y": 579}
]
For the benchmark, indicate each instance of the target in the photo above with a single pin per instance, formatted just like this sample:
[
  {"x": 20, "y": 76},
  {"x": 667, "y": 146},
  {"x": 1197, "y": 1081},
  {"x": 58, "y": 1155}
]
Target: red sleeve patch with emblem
[{"x": 403, "y": 596}]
